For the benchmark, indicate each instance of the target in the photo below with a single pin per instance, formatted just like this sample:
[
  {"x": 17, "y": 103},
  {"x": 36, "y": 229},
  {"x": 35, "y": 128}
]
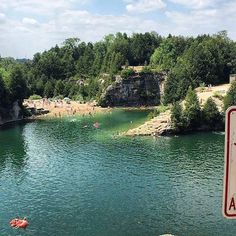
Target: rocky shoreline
[{"x": 157, "y": 126}]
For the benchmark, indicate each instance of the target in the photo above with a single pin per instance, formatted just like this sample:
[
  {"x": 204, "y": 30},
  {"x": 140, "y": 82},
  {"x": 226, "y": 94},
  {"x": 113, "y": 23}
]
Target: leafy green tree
[
  {"x": 178, "y": 82},
  {"x": 211, "y": 115},
  {"x": 99, "y": 55},
  {"x": 50, "y": 64},
  {"x": 39, "y": 86},
  {"x": 4, "y": 73},
  {"x": 177, "y": 118},
  {"x": 142, "y": 47},
  {"x": 117, "y": 61},
  {"x": 209, "y": 60},
  {"x": 48, "y": 89},
  {"x": 59, "y": 88},
  {"x": 192, "y": 111},
  {"x": 85, "y": 62},
  {"x": 165, "y": 56},
  {"x": 17, "y": 84},
  {"x": 2, "y": 91},
  {"x": 230, "y": 98},
  {"x": 71, "y": 43}
]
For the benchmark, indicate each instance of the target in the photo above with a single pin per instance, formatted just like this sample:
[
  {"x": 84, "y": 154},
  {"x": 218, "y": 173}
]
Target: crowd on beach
[{"x": 59, "y": 107}]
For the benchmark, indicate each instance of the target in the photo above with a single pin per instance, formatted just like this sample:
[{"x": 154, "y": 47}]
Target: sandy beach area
[{"x": 61, "y": 108}]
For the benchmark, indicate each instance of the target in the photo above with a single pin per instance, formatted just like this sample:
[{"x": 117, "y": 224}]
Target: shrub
[
  {"x": 160, "y": 109},
  {"x": 230, "y": 98},
  {"x": 78, "y": 97},
  {"x": 35, "y": 97},
  {"x": 177, "y": 118},
  {"x": 59, "y": 97},
  {"x": 192, "y": 112},
  {"x": 127, "y": 73},
  {"x": 146, "y": 70},
  {"x": 210, "y": 114},
  {"x": 202, "y": 87},
  {"x": 217, "y": 94}
]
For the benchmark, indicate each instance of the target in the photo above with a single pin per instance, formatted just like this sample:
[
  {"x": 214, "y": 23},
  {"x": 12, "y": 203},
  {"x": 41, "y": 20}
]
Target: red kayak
[{"x": 18, "y": 223}]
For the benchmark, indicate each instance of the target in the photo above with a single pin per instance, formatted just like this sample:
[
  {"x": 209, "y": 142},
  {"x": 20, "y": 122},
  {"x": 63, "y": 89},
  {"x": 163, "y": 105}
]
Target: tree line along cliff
[{"x": 83, "y": 71}]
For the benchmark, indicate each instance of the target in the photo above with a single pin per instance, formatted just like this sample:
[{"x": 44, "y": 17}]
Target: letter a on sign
[{"x": 229, "y": 195}]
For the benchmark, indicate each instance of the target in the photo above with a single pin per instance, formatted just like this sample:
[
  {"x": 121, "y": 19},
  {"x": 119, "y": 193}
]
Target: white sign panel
[{"x": 229, "y": 195}]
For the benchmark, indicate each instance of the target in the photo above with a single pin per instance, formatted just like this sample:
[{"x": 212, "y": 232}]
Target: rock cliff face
[
  {"x": 136, "y": 90},
  {"x": 12, "y": 113}
]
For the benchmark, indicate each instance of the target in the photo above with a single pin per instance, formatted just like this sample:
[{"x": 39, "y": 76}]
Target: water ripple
[{"x": 69, "y": 180}]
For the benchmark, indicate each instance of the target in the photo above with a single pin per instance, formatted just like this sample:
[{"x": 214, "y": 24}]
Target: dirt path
[{"x": 211, "y": 91}]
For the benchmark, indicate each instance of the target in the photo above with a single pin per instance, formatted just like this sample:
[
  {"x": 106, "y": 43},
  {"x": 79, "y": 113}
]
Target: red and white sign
[{"x": 229, "y": 195}]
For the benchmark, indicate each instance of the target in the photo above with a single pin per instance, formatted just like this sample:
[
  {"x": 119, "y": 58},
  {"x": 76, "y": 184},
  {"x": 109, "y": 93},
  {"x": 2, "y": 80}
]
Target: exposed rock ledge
[
  {"x": 157, "y": 126},
  {"x": 11, "y": 114},
  {"x": 140, "y": 89}
]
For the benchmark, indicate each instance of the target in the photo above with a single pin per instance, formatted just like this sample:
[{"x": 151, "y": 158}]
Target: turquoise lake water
[{"x": 68, "y": 179}]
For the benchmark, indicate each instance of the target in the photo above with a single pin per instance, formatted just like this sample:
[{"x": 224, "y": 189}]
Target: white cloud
[
  {"x": 196, "y": 4},
  {"x": 29, "y": 21},
  {"x": 204, "y": 20},
  {"x": 2, "y": 18},
  {"x": 37, "y": 25},
  {"x": 142, "y": 6},
  {"x": 94, "y": 26},
  {"x": 70, "y": 23},
  {"x": 41, "y": 7}
]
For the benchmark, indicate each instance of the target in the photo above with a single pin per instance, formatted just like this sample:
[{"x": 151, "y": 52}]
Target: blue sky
[{"x": 30, "y": 26}]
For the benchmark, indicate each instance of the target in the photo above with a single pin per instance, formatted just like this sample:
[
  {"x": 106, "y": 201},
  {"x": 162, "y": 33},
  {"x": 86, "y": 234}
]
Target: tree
[
  {"x": 178, "y": 82},
  {"x": 85, "y": 62},
  {"x": 59, "y": 88},
  {"x": 2, "y": 91},
  {"x": 209, "y": 60},
  {"x": 230, "y": 98},
  {"x": 177, "y": 119},
  {"x": 99, "y": 55},
  {"x": 39, "y": 86},
  {"x": 165, "y": 56},
  {"x": 142, "y": 47},
  {"x": 17, "y": 84},
  {"x": 48, "y": 89},
  {"x": 71, "y": 43},
  {"x": 192, "y": 111},
  {"x": 211, "y": 115}
]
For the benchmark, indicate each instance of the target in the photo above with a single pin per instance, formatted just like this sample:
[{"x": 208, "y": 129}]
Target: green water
[{"x": 71, "y": 180}]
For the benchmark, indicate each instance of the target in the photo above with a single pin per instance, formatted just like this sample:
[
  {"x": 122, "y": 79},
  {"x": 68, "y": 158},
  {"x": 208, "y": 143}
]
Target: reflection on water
[
  {"x": 13, "y": 149},
  {"x": 69, "y": 179}
]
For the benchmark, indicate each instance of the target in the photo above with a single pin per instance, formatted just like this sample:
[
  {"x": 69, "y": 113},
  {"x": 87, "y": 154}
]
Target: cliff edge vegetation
[{"x": 89, "y": 71}]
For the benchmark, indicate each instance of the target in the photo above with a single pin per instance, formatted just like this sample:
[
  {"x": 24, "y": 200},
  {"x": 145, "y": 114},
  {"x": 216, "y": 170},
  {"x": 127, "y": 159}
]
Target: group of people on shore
[{"x": 59, "y": 107}]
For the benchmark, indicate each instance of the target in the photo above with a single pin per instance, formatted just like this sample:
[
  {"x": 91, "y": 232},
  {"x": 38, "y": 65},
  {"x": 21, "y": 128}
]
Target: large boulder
[
  {"x": 11, "y": 113},
  {"x": 137, "y": 90}
]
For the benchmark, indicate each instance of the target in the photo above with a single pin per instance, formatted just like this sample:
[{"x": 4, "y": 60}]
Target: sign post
[{"x": 229, "y": 193}]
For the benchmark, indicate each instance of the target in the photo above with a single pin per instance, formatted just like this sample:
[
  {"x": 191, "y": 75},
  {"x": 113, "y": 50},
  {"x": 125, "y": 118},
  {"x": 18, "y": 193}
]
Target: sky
[{"x": 30, "y": 26}]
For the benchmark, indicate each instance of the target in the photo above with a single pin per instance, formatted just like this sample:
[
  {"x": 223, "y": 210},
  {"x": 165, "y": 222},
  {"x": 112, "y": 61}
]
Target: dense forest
[{"x": 82, "y": 70}]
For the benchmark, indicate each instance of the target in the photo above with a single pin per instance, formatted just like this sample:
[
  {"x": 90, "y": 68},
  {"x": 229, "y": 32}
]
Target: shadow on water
[{"x": 13, "y": 148}]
